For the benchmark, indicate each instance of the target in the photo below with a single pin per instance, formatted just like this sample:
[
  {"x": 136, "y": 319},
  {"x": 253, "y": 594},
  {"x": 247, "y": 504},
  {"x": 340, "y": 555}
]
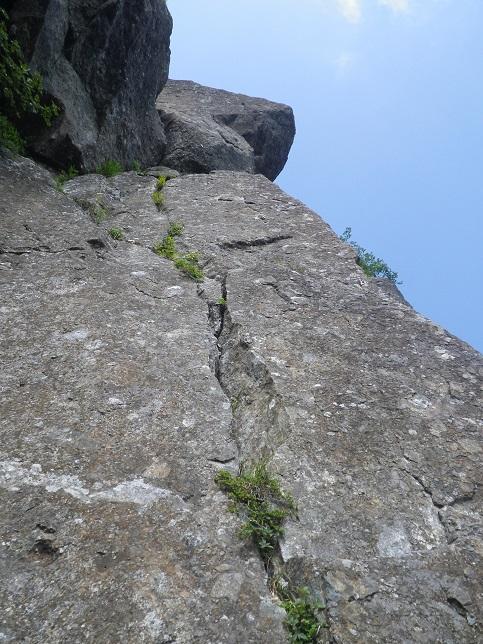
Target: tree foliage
[{"x": 21, "y": 90}]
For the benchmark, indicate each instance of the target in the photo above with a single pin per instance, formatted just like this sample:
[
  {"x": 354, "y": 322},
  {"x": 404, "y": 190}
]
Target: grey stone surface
[
  {"x": 211, "y": 129},
  {"x": 104, "y": 63},
  {"x": 124, "y": 387}
]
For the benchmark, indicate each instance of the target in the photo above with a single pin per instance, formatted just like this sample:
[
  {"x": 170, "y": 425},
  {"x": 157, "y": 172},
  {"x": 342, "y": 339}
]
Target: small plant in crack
[
  {"x": 136, "y": 167},
  {"x": 158, "y": 196},
  {"x": 64, "y": 176},
  {"x": 98, "y": 212},
  {"x": 257, "y": 497},
  {"x": 371, "y": 265},
  {"x": 175, "y": 229},
  {"x": 158, "y": 199},
  {"x": 161, "y": 182},
  {"x": 189, "y": 264},
  {"x": 109, "y": 168},
  {"x": 304, "y": 614},
  {"x": 116, "y": 233},
  {"x": 166, "y": 247},
  {"x": 221, "y": 301}
]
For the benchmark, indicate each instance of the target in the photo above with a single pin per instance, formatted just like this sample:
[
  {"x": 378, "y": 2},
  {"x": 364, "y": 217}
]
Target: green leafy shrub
[
  {"x": 10, "y": 137},
  {"x": 371, "y": 265},
  {"x": 116, "y": 233},
  {"x": 21, "y": 91},
  {"x": 257, "y": 497},
  {"x": 109, "y": 168},
  {"x": 303, "y": 621}
]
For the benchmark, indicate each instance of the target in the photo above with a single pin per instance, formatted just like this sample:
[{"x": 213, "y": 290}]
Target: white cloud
[
  {"x": 399, "y": 6},
  {"x": 344, "y": 61},
  {"x": 351, "y": 9}
]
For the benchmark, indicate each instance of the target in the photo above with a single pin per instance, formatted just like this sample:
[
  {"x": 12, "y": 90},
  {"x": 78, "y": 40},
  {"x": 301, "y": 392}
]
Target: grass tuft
[
  {"x": 116, "y": 233},
  {"x": 158, "y": 199},
  {"x": 109, "y": 168},
  {"x": 189, "y": 265},
  {"x": 166, "y": 247}
]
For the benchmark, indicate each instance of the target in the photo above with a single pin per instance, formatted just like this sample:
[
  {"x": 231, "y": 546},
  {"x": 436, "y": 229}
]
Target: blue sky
[{"x": 388, "y": 100}]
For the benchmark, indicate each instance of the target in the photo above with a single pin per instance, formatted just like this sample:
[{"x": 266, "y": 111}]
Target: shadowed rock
[
  {"x": 210, "y": 129},
  {"x": 104, "y": 63}
]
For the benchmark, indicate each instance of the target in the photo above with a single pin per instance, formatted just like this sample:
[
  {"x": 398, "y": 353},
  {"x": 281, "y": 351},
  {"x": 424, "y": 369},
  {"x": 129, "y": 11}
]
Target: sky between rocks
[{"x": 388, "y": 100}]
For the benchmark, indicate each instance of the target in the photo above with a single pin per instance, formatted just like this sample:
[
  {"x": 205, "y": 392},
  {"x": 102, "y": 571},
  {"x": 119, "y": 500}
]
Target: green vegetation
[
  {"x": 221, "y": 301},
  {"x": 158, "y": 199},
  {"x": 109, "y": 168},
  {"x": 370, "y": 264},
  {"x": 136, "y": 167},
  {"x": 21, "y": 91},
  {"x": 64, "y": 176},
  {"x": 189, "y": 263},
  {"x": 158, "y": 196},
  {"x": 175, "y": 229},
  {"x": 303, "y": 615},
  {"x": 116, "y": 233},
  {"x": 10, "y": 137},
  {"x": 257, "y": 497},
  {"x": 161, "y": 182},
  {"x": 166, "y": 247}
]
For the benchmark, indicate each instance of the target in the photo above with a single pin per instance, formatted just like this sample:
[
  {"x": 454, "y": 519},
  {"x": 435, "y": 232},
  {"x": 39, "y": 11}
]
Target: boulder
[
  {"x": 211, "y": 129},
  {"x": 104, "y": 63},
  {"x": 125, "y": 387}
]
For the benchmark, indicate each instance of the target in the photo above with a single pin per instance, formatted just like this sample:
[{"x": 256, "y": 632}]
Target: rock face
[
  {"x": 104, "y": 63},
  {"x": 125, "y": 386},
  {"x": 210, "y": 129}
]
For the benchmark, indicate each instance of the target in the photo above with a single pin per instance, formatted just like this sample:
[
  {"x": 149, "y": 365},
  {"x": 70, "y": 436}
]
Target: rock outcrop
[
  {"x": 125, "y": 387},
  {"x": 210, "y": 129},
  {"x": 104, "y": 63}
]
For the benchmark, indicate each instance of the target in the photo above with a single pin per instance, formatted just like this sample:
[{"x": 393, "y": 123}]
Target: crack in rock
[{"x": 241, "y": 244}]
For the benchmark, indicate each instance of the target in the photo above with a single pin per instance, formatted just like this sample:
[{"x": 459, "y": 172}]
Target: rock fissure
[
  {"x": 252, "y": 243},
  {"x": 25, "y": 250}
]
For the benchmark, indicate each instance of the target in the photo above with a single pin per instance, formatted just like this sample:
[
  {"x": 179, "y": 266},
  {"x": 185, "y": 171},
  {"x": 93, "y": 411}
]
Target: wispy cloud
[
  {"x": 344, "y": 62},
  {"x": 399, "y": 6},
  {"x": 351, "y": 9}
]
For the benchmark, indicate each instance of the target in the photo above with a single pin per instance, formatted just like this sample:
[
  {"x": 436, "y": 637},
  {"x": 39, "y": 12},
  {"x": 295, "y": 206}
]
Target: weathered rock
[
  {"x": 124, "y": 387},
  {"x": 210, "y": 129},
  {"x": 104, "y": 63}
]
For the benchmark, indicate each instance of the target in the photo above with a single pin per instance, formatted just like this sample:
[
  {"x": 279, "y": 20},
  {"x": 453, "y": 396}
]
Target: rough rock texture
[
  {"x": 124, "y": 387},
  {"x": 104, "y": 63},
  {"x": 210, "y": 129}
]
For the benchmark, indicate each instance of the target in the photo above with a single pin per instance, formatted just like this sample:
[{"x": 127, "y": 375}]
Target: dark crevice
[
  {"x": 252, "y": 243},
  {"x": 25, "y": 250}
]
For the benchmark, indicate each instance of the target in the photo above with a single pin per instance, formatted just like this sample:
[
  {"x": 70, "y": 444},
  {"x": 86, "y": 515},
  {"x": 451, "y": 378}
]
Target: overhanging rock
[{"x": 211, "y": 129}]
